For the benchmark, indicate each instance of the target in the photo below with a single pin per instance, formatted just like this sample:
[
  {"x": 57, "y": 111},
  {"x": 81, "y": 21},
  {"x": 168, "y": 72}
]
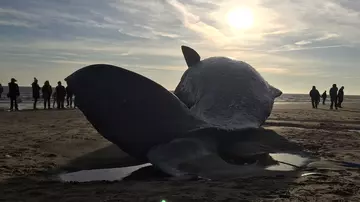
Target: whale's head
[{"x": 220, "y": 86}]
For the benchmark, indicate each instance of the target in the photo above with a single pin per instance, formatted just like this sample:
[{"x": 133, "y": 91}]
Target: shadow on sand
[{"x": 149, "y": 184}]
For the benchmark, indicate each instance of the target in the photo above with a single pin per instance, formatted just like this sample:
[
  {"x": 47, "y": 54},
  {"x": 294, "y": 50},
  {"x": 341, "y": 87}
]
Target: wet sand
[{"x": 37, "y": 145}]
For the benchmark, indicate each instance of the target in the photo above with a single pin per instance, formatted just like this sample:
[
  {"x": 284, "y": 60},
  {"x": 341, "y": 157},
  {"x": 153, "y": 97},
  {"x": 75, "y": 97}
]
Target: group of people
[
  {"x": 336, "y": 97},
  {"x": 46, "y": 90}
]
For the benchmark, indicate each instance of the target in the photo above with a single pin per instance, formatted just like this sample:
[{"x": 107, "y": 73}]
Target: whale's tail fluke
[{"x": 128, "y": 109}]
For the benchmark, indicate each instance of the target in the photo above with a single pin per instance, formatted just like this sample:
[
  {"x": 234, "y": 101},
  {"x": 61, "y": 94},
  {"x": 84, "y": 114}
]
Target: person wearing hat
[
  {"x": 35, "y": 92},
  {"x": 13, "y": 94}
]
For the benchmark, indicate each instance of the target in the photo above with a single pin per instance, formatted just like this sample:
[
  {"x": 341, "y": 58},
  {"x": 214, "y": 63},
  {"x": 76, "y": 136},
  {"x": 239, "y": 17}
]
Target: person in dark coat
[
  {"x": 46, "y": 93},
  {"x": 324, "y": 96},
  {"x": 340, "y": 96},
  {"x": 315, "y": 97},
  {"x": 60, "y": 95},
  {"x": 333, "y": 96},
  {"x": 13, "y": 94},
  {"x": 1, "y": 90},
  {"x": 35, "y": 92},
  {"x": 69, "y": 97}
]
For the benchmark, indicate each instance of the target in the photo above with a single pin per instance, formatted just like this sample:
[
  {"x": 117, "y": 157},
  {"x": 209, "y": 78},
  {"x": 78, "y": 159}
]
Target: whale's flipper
[
  {"x": 128, "y": 109},
  {"x": 190, "y": 55},
  {"x": 199, "y": 157}
]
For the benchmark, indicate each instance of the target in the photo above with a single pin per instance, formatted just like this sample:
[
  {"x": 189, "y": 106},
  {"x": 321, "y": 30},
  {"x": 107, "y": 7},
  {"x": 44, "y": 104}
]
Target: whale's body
[{"x": 148, "y": 122}]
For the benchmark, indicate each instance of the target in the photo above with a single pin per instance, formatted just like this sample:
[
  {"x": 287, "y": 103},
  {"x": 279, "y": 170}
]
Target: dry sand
[{"x": 37, "y": 145}]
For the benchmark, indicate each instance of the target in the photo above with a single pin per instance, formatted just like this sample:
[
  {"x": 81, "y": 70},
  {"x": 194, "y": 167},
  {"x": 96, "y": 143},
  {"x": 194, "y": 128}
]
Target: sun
[{"x": 240, "y": 18}]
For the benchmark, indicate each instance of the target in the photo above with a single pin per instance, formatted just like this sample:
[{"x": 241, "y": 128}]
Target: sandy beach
[{"x": 37, "y": 145}]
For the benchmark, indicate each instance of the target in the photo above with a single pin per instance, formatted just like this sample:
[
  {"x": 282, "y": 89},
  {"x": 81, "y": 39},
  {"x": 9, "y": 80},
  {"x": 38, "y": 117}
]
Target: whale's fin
[
  {"x": 275, "y": 92},
  {"x": 128, "y": 109},
  {"x": 194, "y": 157},
  {"x": 190, "y": 55}
]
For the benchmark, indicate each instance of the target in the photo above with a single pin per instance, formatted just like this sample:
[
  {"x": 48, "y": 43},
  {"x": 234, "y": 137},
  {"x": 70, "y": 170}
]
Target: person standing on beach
[
  {"x": 324, "y": 95},
  {"x": 35, "y": 92},
  {"x": 46, "y": 93},
  {"x": 333, "y": 96},
  {"x": 1, "y": 90},
  {"x": 69, "y": 97},
  {"x": 315, "y": 97},
  {"x": 13, "y": 94},
  {"x": 60, "y": 95},
  {"x": 340, "y": 96}
]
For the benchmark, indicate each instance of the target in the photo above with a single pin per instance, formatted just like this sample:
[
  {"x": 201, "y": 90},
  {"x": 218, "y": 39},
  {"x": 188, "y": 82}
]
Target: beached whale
[{"x": 150, "y": 123}]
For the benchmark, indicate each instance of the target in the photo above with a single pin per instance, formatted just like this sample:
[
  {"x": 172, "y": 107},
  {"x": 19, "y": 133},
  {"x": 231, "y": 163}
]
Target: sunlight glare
[{"x": 240, "y": 18}]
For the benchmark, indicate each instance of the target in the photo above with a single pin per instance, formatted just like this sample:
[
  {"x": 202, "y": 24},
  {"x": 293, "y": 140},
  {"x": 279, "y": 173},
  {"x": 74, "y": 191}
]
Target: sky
[{"x": 293, "y": 44}]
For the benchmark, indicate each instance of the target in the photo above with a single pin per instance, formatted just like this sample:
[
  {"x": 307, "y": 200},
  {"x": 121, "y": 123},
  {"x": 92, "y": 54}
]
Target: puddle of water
[
  {"x": 109, "y": 174},
  {"x": 292, "y": 159}
]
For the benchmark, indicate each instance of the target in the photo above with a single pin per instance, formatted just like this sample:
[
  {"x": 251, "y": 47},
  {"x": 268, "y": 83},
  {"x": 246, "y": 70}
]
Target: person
[
  {"x": 60, "y": 95},
  {"x": 69, "y": 97},
  {"x": 333, "y": 96},
  {"x": 13, "y": 94},
  {"x": 35, "y": 92},
  {"x": 340, "y": 96},
  {"x": 1, "y": 90},
  {"x": 324, "y": 95},
  {"x": 315, "y": 97},
  {"x": 46, "y": 93}
]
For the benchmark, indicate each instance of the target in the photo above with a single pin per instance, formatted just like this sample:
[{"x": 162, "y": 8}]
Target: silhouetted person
[
  {"x": 60, "y": 95},
  {"x": 333, "y": 96},
  {"x": 324, "y": 96},
  {"x": 315, "y": 97},
  {"x": 340, "y": 96},
  {"x": 46, "y": 92},
  {"x": 13, "y": 94},
  {"x": 69, "y": 97},
  {"x": 35, "y": 92},
  {"x": 1, "y": 90}
]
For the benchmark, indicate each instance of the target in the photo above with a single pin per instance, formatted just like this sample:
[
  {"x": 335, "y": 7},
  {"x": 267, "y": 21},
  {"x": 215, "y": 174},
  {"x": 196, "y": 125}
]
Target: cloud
[
  {"x": 299, "y": 48},
  {"x": 321, "y": 38},
  {"x": 274, "y": 70},
  {"x": 16, "y": 23},
  {"x": 289, "y": 38},
  {"x": 194, "y": 23},
  {"x": 303, "y": 42}
]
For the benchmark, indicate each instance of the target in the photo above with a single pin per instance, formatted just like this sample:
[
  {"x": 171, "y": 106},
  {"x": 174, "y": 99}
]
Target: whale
[
  {"x": 224, "y": 92},
  {"x": 154, "y": 125}
]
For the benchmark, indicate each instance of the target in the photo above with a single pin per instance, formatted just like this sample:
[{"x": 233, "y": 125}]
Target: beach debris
[{"x": 312, "y": 174}]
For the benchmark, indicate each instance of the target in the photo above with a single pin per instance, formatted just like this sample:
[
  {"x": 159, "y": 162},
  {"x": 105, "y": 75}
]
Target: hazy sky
[{"x": 294, "y": 44}]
